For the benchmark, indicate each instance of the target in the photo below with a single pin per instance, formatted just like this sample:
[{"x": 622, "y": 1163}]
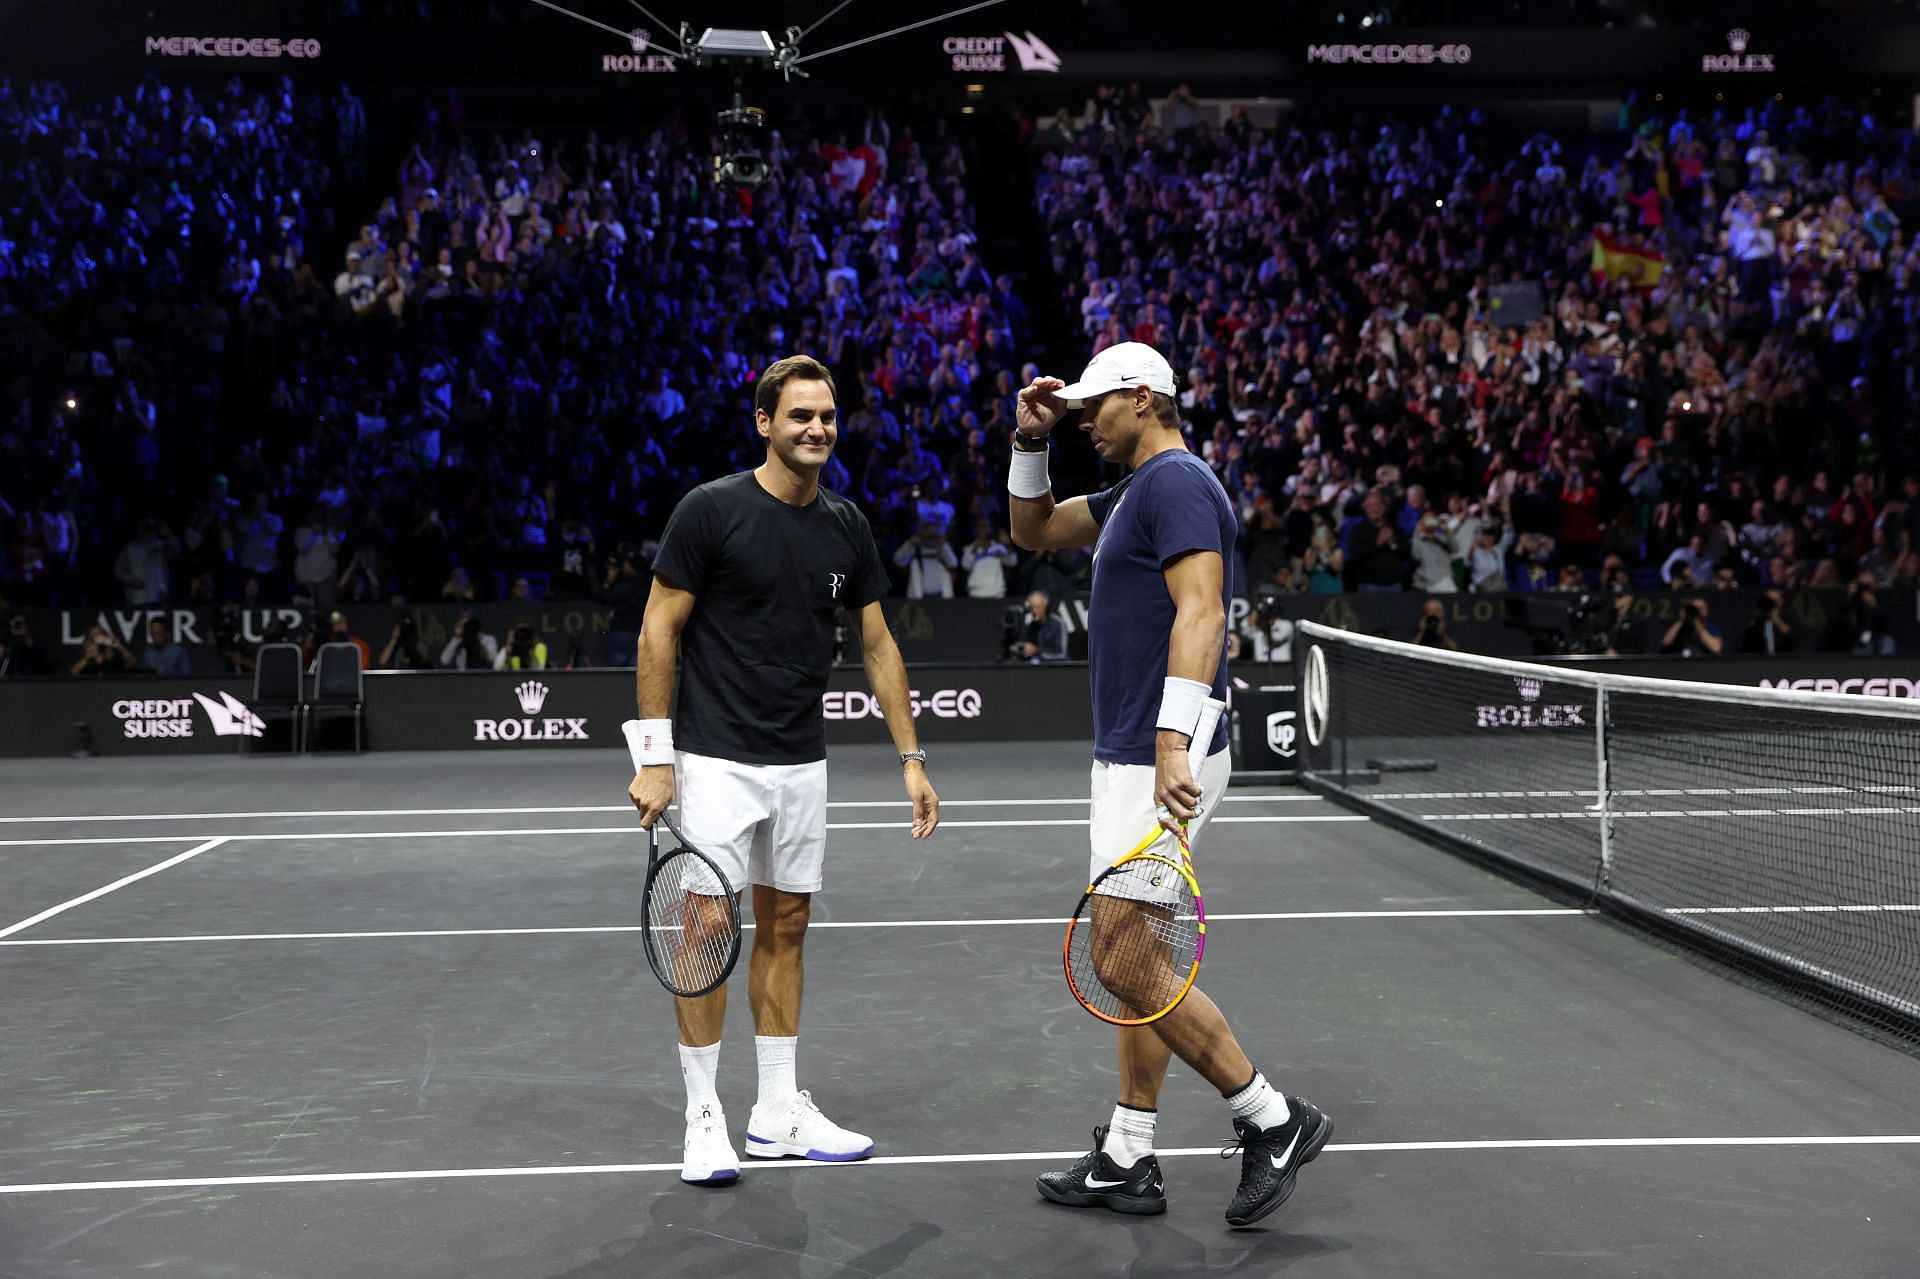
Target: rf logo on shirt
[{"x": 834, "y": 582}]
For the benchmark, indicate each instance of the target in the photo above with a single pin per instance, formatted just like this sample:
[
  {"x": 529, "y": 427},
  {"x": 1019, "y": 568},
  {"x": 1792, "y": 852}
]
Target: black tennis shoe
[
  {"x": 1096, "y": 1181},
  {"x": 1270, "y": 1159}
]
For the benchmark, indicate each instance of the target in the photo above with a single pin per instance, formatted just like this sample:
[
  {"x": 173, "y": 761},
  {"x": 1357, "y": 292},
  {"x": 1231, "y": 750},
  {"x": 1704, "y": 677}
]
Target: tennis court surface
[{"x": 390, "y": 1016}]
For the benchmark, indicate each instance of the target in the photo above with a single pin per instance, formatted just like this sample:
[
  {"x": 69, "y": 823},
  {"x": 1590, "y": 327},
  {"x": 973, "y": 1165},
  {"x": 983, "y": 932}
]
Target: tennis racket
[
  {"x": 690, "y": 913},
  {"x": 1134, "y": 945},
  {"x": 692, "y": 918}
]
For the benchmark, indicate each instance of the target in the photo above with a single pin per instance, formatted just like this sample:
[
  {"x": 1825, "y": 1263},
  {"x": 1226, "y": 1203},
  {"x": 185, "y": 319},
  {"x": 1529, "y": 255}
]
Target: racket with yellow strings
[{"x": 1134, "y": 945}]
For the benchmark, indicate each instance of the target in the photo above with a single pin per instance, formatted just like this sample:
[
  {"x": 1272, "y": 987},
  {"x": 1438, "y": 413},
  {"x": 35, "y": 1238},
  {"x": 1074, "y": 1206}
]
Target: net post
[{"x": 1604, "y": 801}]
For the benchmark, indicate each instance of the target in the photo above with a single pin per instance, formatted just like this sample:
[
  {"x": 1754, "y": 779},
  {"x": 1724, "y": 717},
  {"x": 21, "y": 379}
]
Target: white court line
[
  {"x": 1631, "y": 814},
  {"x": 1871, "y": 909},
  {"x": 1642, "y": 794},
  {"x": 580, "y": 808},
  {"x": 589, "y": 929},
  {"x": 583, "y": 1170},
  {"x": 632, "y": 829},
  {"x": 138, "y": 875}
]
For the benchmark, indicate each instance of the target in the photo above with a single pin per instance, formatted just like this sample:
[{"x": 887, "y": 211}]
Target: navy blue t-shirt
[{"x": 1170, "y": 507}]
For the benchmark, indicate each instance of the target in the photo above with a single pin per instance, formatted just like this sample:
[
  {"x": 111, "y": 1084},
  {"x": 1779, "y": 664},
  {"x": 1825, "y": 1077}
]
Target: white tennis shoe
[
  {"x": 795, "y": 1129},
  {"x": 709, "y": 1158}
]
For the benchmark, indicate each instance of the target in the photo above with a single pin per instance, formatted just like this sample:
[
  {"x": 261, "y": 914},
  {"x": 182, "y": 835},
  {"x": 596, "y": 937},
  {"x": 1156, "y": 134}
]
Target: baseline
[
  {"x": 579, "y": 1170},
  {"x": 629, "y": 830},
  {"x": 579, "y": 808},
  {"x": 589, "y": 929}
]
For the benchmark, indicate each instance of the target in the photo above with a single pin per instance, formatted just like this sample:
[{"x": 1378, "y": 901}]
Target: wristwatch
[
  {"x": 1029, "y": 443},
  {"x": 907, "y": 755}
]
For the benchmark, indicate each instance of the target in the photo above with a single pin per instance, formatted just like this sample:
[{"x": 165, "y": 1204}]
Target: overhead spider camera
[{"x": 739, "y": 166}]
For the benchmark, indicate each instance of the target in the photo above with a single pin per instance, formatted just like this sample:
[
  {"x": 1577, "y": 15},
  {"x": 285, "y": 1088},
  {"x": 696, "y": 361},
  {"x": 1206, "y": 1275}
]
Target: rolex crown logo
[{"x": 532, "y": 695}]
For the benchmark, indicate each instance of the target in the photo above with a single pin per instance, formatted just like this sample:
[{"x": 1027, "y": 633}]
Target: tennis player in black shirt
[{"x": 751, "y": 571}]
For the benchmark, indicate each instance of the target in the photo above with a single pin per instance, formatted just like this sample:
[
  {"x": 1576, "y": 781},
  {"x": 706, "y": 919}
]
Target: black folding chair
[
  {"x": 279, "y": 692},
  {"x": 339, "y": 689}
]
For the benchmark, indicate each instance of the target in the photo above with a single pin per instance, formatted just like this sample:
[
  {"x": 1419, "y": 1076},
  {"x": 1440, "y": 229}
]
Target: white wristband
[
  {"x": 649, "y": 741},
  {"x": 1181, "y": 704},
  {"x": 1027, "y": 474}
]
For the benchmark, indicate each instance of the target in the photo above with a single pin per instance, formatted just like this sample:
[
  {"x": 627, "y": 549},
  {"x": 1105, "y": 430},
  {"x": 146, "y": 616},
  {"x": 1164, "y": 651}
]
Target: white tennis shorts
[
  {"x": 1123, "y": 810},
  {"x": 760, "y": 823}
]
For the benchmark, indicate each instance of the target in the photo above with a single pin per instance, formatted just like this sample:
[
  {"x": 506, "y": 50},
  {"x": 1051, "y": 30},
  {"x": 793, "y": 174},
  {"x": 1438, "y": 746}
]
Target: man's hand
[
  {"x": 926, "y": 804},
  {"x": 1038, "y": 407},
  {"x": 1174, "y": 787},
  {"x": 652, "y": 792}
]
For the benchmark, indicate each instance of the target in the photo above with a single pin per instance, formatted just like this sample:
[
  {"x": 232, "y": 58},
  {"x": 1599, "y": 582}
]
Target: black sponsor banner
[
  {"x": 437, "y": 710},
  {"x": 127, "y": 715},
  {"x": 1043, "y": 46},
  {"x": 1464, "y": 704},
  {"x": 1809, "y": 673}
]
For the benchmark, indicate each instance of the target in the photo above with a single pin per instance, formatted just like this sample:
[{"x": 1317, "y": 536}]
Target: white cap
[{"x": 1118, "y": 368}]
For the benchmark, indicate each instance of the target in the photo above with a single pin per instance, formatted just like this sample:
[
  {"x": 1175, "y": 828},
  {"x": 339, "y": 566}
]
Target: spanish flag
[{"x": 1635, "y": 266}]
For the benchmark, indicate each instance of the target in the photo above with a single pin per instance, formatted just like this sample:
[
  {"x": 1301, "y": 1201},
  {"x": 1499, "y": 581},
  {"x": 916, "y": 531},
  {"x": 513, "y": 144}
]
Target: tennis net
[{"x": 1779, "y": 831}]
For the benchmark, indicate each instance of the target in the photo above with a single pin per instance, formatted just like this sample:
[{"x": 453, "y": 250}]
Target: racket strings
[
  {"x": 690, "y": 926},
  {"x": 1135, "y": 941}
]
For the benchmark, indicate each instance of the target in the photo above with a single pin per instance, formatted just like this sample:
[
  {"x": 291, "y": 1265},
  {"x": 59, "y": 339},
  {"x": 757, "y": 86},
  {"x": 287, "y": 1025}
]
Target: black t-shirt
[{"x": 767, "y": 579}]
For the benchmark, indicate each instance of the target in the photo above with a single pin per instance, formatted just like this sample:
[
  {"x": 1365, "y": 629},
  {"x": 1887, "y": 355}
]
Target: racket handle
[{"x": 1202, "y": 740}]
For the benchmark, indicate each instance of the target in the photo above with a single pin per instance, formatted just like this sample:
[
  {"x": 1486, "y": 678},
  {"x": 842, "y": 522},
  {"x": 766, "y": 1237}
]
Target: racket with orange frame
[{"x": 1134, "y": 945}]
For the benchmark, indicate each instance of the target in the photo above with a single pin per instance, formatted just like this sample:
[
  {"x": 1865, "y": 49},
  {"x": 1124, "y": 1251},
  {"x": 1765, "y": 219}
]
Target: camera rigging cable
[{"x": 796, "y": 61}]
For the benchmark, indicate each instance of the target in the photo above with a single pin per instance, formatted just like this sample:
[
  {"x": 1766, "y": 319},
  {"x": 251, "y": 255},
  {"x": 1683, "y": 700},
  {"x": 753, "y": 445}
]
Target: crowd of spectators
[
  {"x": 1347, "y": 299},
  {"x": 518, "y": 362},
  {"x": 1396, "y": 353}
]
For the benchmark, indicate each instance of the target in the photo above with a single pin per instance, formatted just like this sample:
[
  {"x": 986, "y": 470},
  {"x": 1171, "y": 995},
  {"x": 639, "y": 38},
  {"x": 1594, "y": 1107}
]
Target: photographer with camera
[
  {"x": 333, "y": 630},
  {"x": 986, "y": 561},
  {"x": 236, "y": 656},
  {"x": 624, "y": 592},
  {"x": 1861, "y": 626},
  {"x": 1432, "y": 556},
  {"x": 403, "y": 651},
  {"x": 1767, "y": 629},
  {"x": 929, "y": 562},
  {"x": 102, "y": 653},
  {"x": 19, "y": 655},
  {"x": 1691, "y": 634},
  {"x": 1036, "y": 635},
  {"x": 1604, "y": 622},
  {"x": 523, "y": 652},
  {"x": 1432, "y": 629},
  {"x": 471, "y": 648}
]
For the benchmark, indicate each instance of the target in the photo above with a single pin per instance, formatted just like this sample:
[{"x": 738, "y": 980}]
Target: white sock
[
  {"x": 1259, "y": 1104},
  {"x": 697, "y": 1068},
  {"x": 776, "y": 1067},
  {"x": 1130, "y": 1135}
]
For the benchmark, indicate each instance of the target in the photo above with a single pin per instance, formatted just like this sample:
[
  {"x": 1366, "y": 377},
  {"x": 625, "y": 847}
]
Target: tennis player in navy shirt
[{"x": 1156, "y": 646}]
